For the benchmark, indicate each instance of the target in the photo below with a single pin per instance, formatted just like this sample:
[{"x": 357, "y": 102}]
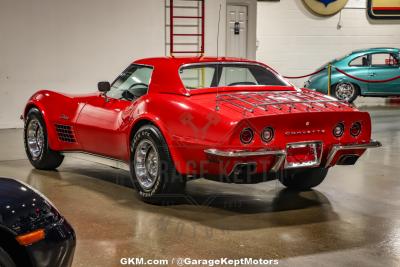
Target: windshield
[
  {"x": 132, "y": 83},
  {"x": 232, "y": 74}
]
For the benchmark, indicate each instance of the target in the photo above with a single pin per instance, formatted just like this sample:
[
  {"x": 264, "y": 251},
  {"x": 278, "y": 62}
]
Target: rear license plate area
[{"x": 302, "y": 155}]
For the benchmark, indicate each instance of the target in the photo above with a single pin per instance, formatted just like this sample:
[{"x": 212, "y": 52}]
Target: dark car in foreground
[{"x": 32, "y": 231}]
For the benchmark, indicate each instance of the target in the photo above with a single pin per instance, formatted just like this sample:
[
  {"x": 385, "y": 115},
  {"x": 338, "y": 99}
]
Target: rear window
[{"x": 222, "y": 75}]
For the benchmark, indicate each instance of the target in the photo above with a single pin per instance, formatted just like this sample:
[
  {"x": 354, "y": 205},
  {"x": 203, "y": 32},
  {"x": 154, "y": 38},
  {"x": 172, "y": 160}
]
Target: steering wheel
[
  {"x": 138, "y": 84},
  {"x": 131, "y": 94},
  {"x": 241, "y": 83}
]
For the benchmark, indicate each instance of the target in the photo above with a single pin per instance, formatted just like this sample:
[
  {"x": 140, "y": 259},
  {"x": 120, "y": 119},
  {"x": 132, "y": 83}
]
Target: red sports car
[{"x": 168, "y": 120}]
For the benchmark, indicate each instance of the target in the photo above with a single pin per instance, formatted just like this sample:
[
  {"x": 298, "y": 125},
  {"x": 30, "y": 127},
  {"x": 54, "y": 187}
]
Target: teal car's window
[
  {"x": 384, "y": 60},
  {"x": 361, "y": 61},
  {"x": 132, "y": 83}
]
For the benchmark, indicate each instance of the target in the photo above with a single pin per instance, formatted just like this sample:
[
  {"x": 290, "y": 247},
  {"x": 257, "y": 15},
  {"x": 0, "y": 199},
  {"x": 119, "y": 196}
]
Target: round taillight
[
  {"x": 338, "y": 130},
  {"x": 355, "y": 129},
  {"x": 246, "y": 136},
  {"x": 267, "y": 134}
]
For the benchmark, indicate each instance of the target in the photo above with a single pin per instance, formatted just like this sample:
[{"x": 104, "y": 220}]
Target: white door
[{"x": 236, "y": 38}]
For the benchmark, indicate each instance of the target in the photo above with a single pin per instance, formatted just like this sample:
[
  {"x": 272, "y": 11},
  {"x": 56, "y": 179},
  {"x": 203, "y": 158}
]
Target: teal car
[{"x": 375, "y": 64}]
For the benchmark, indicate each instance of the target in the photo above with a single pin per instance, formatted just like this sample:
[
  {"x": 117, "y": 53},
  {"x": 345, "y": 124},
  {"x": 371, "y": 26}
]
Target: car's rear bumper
[
  {"x": 58, "y": 247},
  {"x": 279, "y": 155},
  {"x": 338, "y": 154}
]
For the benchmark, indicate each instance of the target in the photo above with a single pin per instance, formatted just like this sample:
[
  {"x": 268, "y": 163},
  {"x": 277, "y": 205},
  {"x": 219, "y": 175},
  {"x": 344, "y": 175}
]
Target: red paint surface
[
  {"x": 386, "y": 8},
  {"x": 189, "y": 121}
]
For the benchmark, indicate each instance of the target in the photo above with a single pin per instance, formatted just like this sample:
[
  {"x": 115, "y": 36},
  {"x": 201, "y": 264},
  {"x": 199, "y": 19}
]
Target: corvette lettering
[{"x": 305, "y": 132}]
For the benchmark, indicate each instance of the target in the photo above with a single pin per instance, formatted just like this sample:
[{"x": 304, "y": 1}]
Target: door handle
[
  {"x": 237, "y": 28},
  {"x": 372, "y": 74}
]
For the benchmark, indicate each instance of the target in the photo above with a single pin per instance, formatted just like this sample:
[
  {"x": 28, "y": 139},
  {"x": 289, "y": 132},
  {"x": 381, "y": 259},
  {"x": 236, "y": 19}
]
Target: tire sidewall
[
  {"x": 35, "y": 114},
  {"x": 353, "y": 97},
  {"x": 151, "y": 134}
]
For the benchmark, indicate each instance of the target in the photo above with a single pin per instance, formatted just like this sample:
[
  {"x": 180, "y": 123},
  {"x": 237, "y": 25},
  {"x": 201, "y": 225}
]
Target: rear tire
[
  {"x": 36, "y": 143},
  {"x": 152, "y": 170},
  {"x": 346, "y": 91},
  {"x": 5, "y": 259},
  {"x": 303, "y": 179}
]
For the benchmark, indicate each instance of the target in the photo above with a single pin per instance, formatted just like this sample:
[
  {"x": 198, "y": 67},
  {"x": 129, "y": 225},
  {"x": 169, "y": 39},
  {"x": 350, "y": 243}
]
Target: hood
[{"x": 23, "y": 209}]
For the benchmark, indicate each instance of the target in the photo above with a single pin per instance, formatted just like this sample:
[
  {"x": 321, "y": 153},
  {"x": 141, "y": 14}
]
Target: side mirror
[{"x": 104, "y": 86}]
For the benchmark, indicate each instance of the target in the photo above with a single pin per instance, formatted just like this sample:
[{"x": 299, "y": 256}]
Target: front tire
[
  {"x": 303, "y": 179},
  {"x": 5, "y": 259},
  {"x": 152, "y": 170},
  {"x": 36, "y": 143},
  {"x": 346, "y": 91}
]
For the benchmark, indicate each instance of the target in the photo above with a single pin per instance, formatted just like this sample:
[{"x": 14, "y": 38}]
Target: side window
[
  {"x": 384, "y": 60},
  {"x": 237, "y": 76},
  {"x": 197, "y": 77},
  {"x": 359, "y": 62},
  {"x": 132, "y": 83}
]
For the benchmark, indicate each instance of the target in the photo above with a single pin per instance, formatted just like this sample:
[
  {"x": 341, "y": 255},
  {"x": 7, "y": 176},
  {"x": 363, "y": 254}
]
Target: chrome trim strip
[
  {"x": 243, "y": 153},
  {"x": 279, "y": 162},
  {"x": 337, "y": 148},
  {"x": 279, "y": 154},
  {"x": 114, "y": 163}
]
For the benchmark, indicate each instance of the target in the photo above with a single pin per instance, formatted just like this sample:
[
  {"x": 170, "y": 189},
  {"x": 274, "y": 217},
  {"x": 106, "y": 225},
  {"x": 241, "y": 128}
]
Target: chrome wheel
[
  {"x": 345, "y": 91},
  {"x": 35, "y": 138},
  {"x": 146, "y": 164}
]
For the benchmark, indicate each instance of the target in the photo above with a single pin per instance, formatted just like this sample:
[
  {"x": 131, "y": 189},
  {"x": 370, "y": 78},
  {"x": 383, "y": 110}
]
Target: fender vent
[{"x": 65, "y": 133}]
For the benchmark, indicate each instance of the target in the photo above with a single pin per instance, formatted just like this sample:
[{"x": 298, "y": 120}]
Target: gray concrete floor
[{"x": 352, "y": 219}]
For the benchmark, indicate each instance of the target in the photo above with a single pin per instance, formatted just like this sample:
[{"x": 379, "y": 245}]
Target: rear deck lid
[{"x": 279, "y": 102}]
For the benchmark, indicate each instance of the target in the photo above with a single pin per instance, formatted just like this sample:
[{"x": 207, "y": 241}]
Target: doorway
[{"x": 236, "y": 39}]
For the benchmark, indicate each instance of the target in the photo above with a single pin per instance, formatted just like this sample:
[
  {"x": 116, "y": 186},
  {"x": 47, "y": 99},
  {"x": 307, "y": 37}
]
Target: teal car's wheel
[{"x": 345, "y": 91}]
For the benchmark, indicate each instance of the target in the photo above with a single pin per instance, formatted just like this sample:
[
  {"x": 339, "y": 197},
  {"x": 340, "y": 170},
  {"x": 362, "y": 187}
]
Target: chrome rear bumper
[
  {"x": 281, "y": 154},
  {"x": 336, "y": 148}
]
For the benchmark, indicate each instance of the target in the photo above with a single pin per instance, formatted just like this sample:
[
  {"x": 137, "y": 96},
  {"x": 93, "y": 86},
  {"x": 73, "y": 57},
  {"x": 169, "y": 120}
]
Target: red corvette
[{"x": 168, "y": 120}]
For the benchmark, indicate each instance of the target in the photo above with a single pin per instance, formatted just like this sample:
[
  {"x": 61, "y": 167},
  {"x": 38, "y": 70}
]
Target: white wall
[
  {"x": 70, "y": 45},
  {"x": 294, "y": 41}
]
